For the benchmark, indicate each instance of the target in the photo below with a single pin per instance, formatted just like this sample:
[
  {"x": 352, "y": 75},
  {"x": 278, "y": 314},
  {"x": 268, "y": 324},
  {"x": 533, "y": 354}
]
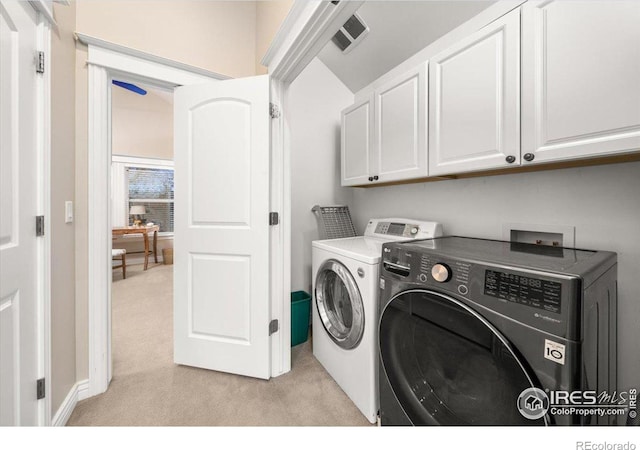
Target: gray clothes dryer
[{"x": 469, "y": 327}]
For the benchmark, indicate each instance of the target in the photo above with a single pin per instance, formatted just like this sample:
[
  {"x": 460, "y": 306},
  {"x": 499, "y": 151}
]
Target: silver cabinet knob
[{"x": 441, "y": 273}]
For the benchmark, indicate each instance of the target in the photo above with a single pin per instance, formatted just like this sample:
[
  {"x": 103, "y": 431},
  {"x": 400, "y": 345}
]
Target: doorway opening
[{"x": 142, "y": 221}]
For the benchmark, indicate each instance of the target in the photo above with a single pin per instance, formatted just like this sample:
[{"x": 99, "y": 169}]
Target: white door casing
[
  {"x": 401, "y": 127},
  {"x": 580, "y": 79},
  {"x": 474, "y": 105},
  {"x": 20, "y": 309},
  {"x": 222, "y": 191},
  {"x": 356, "y": 141}
]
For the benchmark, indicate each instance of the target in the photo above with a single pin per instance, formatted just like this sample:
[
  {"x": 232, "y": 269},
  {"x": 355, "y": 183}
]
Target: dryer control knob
[
  {"x": 422, "y": 278},
  {"x": 441, "y": 273}
]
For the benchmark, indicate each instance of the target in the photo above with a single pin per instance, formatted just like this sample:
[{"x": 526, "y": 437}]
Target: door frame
[
  {"x": 107, "y": 61},
  {"x": 305, "y": 31},
  {"x": 43, "y": 174}
]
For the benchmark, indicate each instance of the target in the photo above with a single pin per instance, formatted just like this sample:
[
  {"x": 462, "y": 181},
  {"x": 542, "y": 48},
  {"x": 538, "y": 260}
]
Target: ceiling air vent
[{"x": 352, "y": 32}]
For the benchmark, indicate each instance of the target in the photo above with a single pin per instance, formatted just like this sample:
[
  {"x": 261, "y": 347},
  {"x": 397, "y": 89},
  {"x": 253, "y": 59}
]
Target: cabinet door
[
  {"x": 581, "y": 79},
  {"x": 401, "y": 127},
  {"x": 356, "y": 143},
  {"x": 474, "y": 111}
]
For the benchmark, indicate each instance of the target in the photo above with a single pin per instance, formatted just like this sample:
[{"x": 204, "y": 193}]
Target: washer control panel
[
  {"x": 536, "y": 292},
  {"x": 538, "y": 297},
  {"x": 402, "y": 229}
]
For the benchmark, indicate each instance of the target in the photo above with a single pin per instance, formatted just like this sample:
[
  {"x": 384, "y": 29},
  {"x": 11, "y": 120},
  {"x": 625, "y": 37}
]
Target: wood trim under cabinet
[{"x": 631, "y": 157}]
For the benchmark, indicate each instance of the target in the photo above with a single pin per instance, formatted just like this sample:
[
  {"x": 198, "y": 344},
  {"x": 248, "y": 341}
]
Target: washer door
[
  {"x": 339, "y": 304},
  {"x": 447, "y": 365}
]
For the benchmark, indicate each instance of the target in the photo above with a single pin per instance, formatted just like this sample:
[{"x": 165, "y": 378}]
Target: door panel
[
  {"x": 474, "y": 110},
  {"x": 580, "y": 89},
  {"x": 221, "y": 293},
  {"x": 227, "y": 315},
  {"x": 226, "y": 152},
  {"x": 356, "y": 143},
  {"x": 18, "y": 201},
  {"x": 401, "y": 126}
]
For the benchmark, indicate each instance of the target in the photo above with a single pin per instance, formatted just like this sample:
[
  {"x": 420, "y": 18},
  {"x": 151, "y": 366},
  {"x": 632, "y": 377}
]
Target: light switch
[{"x": 68, "y": 212}]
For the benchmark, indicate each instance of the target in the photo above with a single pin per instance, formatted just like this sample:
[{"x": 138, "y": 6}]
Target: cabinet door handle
[
  {"x": 370, "y": 178},
  {"x": 375, "y": 177},
  {"x": 529, "y": 156},
  {"x": 510, "y": 159}
]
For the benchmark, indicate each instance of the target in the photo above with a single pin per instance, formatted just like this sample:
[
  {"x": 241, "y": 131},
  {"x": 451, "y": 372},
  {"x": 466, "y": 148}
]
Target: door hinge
[
  {"x": 274, "y": 218},
  {"x": 40, "y": 392},
  {"x": 274, "y": 111},
  {"x": 40, "y": 63},
  {"x": 273, "y": 326},
  {"x": 39, "y": 225}
]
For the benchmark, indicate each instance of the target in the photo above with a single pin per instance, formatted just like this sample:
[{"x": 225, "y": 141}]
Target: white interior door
[
  {"x": 221, "y": 255},
  {"x": 18, "y": 201}
]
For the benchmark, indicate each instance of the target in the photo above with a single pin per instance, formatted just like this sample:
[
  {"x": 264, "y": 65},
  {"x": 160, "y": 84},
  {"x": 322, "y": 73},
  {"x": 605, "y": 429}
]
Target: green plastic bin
[{"x": 300, "y": 304}]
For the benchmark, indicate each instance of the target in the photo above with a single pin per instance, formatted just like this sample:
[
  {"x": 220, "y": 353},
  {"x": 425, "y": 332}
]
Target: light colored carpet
[{"x": 149, "y": 389}]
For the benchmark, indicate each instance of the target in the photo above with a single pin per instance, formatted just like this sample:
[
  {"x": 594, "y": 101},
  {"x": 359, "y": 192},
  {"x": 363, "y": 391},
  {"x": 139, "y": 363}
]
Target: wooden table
[{"x": 144, "y": 231}]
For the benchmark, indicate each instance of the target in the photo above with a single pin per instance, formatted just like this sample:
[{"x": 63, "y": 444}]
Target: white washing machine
[{"x": 345, "y": 306}]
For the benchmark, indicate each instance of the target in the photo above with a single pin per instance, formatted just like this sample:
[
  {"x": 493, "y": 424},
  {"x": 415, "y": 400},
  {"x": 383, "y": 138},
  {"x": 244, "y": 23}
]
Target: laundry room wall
[
  {"x": 314, "y": 103},
  {"x": 601, "y": 202}
]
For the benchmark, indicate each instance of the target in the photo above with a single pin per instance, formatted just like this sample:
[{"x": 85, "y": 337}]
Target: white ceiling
[{"x": 398, "y": 30}]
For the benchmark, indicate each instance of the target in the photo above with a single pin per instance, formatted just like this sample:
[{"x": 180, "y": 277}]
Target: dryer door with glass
[
  {"x": 339, "y": 304},
  {"x": 447, "y": 365}
]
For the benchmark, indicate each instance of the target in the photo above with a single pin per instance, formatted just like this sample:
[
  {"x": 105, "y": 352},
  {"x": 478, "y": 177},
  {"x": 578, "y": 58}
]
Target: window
[
  {"x": 153, "y": 189},
  {"x": 144, "y": 182}
]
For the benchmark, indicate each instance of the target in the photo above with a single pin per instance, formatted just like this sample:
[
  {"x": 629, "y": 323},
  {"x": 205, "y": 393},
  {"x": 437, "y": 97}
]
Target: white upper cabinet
[
  {"x": 581, "y": 79},
  {"x": 357, "y": 137},
  {"x": 474, "y": 105},
  {"x": 401, "y": 127}
]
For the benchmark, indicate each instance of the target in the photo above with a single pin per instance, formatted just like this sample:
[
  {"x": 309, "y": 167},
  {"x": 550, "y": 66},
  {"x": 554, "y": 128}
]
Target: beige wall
[
  {"x": 218, "y": 36},
  {"x": 142, "y": 125},
  {"x": 269, "y": 17},
  {"x": 63, "y": 337}
]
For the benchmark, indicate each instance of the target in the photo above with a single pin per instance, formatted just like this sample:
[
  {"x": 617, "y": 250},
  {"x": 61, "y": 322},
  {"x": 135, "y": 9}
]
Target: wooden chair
[{"x": 120, "y": 254}]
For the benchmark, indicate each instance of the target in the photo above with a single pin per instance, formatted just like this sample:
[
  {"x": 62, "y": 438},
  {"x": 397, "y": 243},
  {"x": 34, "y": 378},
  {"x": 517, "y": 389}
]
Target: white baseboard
[
  {"x": 78, "y": 392},
  {"x": 83, "y": 389}
]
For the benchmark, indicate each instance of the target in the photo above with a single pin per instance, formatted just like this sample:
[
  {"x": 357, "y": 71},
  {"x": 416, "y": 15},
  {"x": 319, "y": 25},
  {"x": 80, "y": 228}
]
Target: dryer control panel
[{"x": 402, "y": 229}]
